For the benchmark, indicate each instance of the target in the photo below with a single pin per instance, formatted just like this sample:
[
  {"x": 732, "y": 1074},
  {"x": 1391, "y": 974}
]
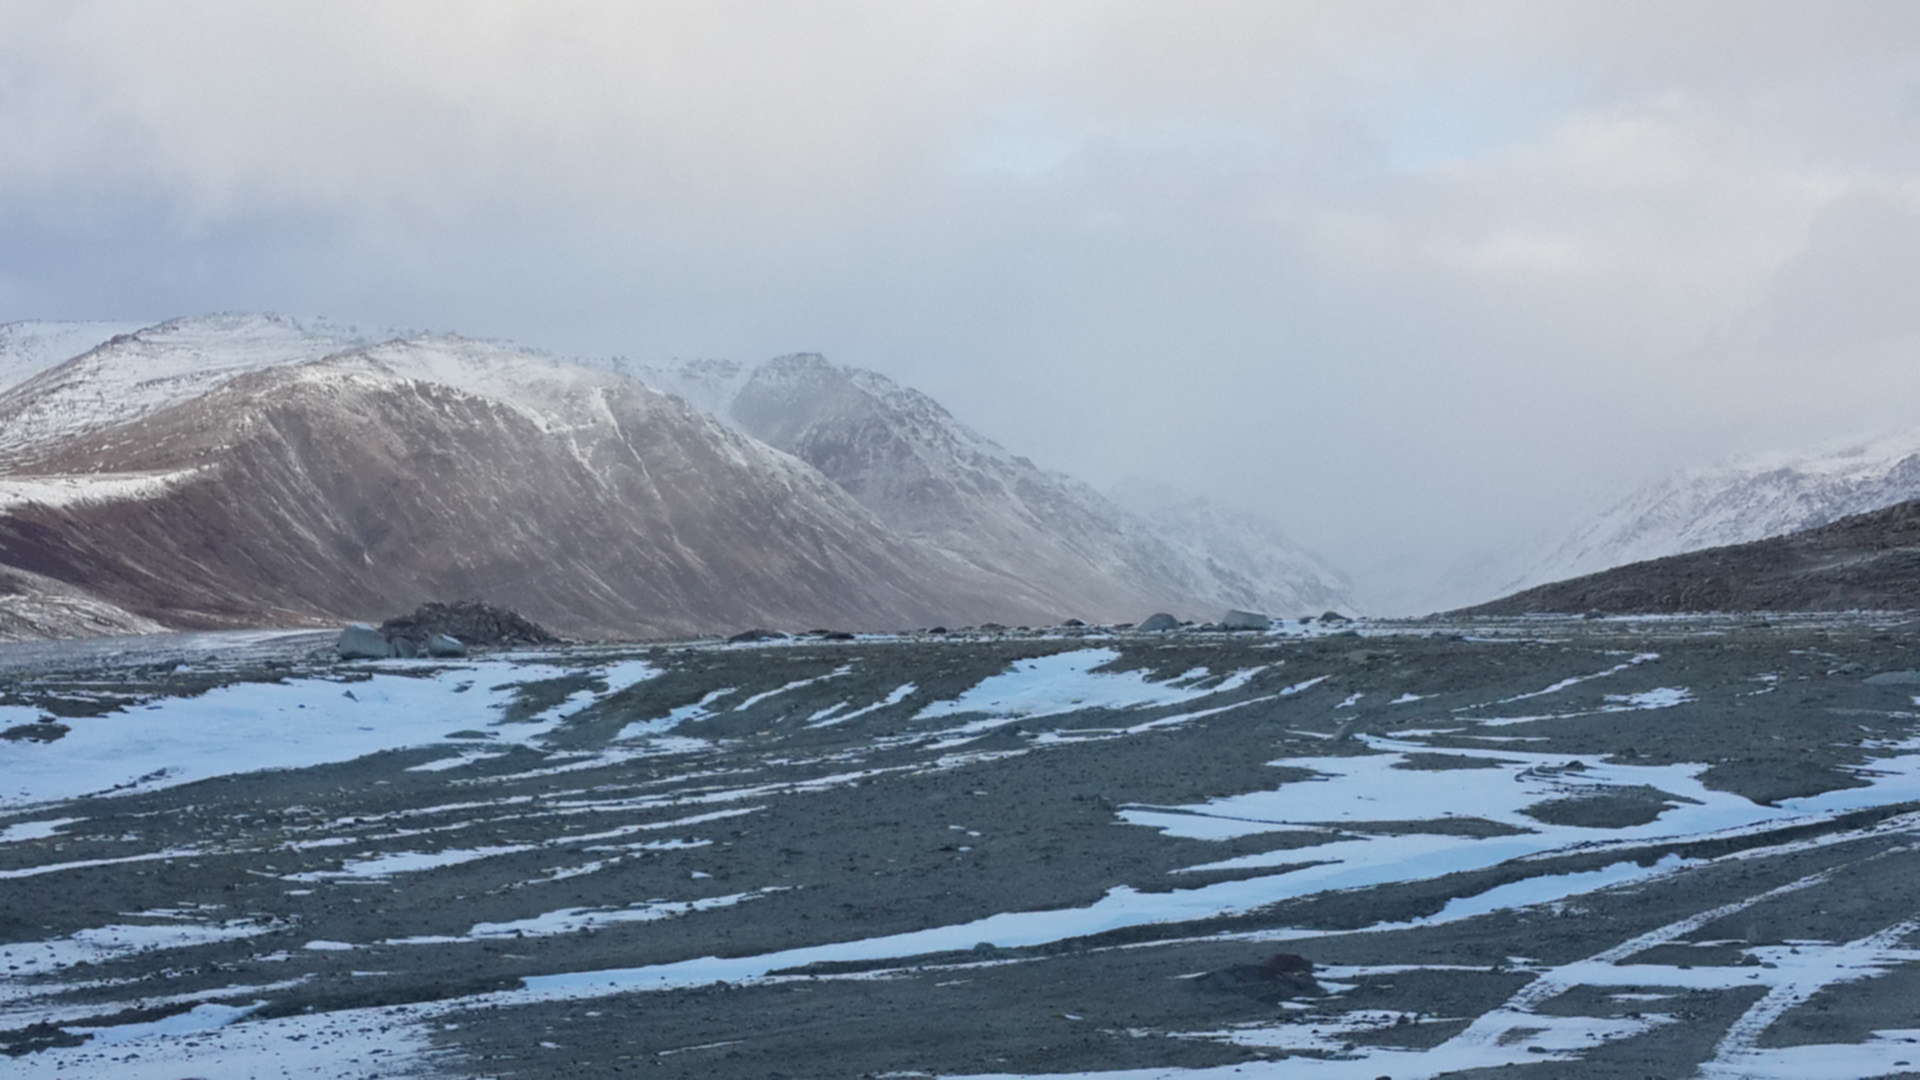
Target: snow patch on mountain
[
  {"x": 1738, "y": 502},
  {"x": 1054, "y": 538},
  {"x": 74, "y": 490},
  {"x": 140, "y": 373},
  {"x": 29, "y": 348},
  {"x": 1243, "y": 559}
]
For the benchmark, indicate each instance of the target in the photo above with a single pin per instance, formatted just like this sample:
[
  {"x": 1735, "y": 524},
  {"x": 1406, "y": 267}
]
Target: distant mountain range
[
  {"x": 259, "y": 470},
  {"x": 1051, "y": 539}
]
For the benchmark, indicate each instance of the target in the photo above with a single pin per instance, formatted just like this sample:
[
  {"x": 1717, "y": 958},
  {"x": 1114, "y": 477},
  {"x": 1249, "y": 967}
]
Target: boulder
[
  {"x": 362, "y": 642},
  {"x": 473, "y": 622},
  {"x": 1280, "y": 976},
  {"x": 755, "y": 634},
  {"x": 1246, "y": 620},
  {"x": 1894, "y": 678},
  {"x": 1333, "y": 617},
  {"x": 445, "y": 645},
  {"x": 1159, "y": 620},
  {"x": 1073, "y": 623}
]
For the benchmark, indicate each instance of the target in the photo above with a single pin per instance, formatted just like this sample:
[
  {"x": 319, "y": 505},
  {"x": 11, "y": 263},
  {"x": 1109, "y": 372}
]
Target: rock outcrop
[
  {"x": 1245, "y": 620},
  {"x": 362, "y": 642}
]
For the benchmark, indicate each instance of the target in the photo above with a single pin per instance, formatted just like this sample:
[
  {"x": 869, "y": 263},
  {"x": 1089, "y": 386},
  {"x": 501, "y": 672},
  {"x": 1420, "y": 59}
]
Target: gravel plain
[{"x": 1530, "y": 847}]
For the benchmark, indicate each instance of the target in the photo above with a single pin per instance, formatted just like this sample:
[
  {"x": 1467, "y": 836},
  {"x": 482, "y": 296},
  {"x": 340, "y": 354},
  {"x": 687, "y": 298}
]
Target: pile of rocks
[
  {"x": 472, "y": 621},
  {"x": 444, "y": 630}
]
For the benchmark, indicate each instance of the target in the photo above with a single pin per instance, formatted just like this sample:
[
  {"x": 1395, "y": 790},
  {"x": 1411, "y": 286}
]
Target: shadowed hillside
[{"x": 1867, "y": 561}]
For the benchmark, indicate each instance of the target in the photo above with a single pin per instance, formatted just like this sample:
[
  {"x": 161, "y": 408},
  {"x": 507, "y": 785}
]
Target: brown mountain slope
[
  {"x": 1867, "y": 561},
  {"x": 348, "y": 488}
]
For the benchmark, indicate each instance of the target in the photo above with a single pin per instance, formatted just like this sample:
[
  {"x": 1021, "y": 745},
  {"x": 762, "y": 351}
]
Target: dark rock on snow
[
  {"x": 1282, "y": 975},
  {"x": 1159, "y": 621},
  {"x": 362, "y": 642},
  {"x": 1245, "y": 620},
  {"x": 445, "y": 645}
]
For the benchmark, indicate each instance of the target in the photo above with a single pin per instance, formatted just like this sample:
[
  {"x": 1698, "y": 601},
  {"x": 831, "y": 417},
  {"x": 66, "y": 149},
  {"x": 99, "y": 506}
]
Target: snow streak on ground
[
  {"x": 252, "y": 726},
  {"x": 660, "y": 786},
  {"x": 1072, "y": 682}
]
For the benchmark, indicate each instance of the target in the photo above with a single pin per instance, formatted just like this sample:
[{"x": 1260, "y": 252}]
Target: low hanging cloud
[{"x": 1422, "y": 280}]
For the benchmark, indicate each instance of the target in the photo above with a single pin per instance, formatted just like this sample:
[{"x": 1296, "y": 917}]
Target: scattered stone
[
  {"x": 362, "y": 642},
  {"x": 46, "y": 730},
  {"x": 1159, "y": 620},
  {"x": 445, "y": 646},
  {"x": 42, "y": 1035},
  {"x": 1246, "y": 620},
  {"x": 1282, "y": 975}
]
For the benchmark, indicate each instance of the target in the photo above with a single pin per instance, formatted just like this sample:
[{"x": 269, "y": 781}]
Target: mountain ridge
[
  {"x": 926, "y": 473},
  {"x": 237, "y": 469},
  {"x": 1739, "y": 501},
  {"x": 1866, "y": 561}
]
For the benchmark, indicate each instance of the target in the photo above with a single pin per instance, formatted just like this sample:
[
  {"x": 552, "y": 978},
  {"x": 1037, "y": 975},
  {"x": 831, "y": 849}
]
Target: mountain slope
[
  {"x": 1053, "y": 540},
  {"x": 1739, "y": 502},
  {"x": 376, "y": 477},
  {"x": 138, "y": 373},
  {"x": 28, "y": 348},
  {"x": 1866, "y": 561},
  {"x": 1237, "y": 558}
]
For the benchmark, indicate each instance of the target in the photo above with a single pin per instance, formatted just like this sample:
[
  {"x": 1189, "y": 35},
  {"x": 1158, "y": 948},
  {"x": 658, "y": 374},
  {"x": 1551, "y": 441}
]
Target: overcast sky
[{"x": 1422, "y": 279}]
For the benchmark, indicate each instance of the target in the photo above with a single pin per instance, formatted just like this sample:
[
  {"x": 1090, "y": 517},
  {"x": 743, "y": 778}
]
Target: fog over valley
[
  {"x": 1424, "y": 285},
  {"x": 959, "y": 539}
]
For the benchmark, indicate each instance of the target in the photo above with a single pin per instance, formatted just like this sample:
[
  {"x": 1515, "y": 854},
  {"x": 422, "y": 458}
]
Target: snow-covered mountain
[
  {"x": 250, "y": 470},
  {"x": 1745, "y": 500},
  {"x": 143, "y": 370},
  {"x": 1053, "y": 540},
  {"x": 28, "y": 348},
  {"x": 1237, "y": 557}
]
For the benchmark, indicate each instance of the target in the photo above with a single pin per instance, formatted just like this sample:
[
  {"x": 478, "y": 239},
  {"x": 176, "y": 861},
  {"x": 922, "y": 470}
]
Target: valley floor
[{"x": 1530, "y": 847}]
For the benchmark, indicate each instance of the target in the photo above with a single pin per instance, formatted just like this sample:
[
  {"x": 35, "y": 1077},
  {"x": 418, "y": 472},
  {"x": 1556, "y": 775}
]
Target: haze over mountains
[
  {"x": 1868, "y": 561},
  {"x": 246, "y": 469},
  {"x": 1737, "y": 502},
  {"x": 1044, "y": 533}
]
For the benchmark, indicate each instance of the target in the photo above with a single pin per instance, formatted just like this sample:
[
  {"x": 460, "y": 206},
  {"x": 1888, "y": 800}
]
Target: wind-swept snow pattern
[
  {"x": 1074, "y": 682},
  {"x": 1138, "y": 856}
]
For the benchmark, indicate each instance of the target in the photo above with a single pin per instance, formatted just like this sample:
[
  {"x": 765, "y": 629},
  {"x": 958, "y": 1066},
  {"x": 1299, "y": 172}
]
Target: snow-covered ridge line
[
  {"x": 1736, "y": 502},
  {"x": 28, "y": 348},
  {"x": 62, "y": 490}
]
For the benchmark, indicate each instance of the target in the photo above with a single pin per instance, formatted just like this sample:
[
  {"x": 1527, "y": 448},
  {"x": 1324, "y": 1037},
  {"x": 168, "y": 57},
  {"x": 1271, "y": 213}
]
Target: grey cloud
[{"x": 1419, "y": 278}]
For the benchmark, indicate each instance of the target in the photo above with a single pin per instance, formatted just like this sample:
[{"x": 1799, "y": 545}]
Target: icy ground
[{"x": 1552, "y": 848}]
